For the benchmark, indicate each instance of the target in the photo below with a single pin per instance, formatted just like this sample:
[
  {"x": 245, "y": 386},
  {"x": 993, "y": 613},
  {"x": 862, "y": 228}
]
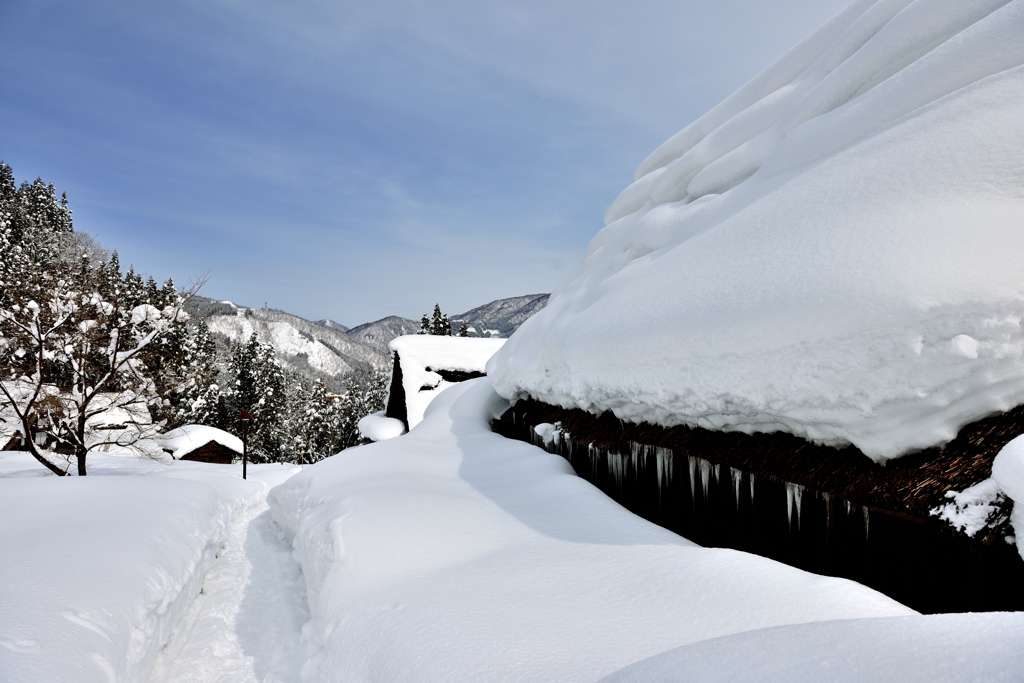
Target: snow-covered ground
[
  {"x": 246, "y": 625},
  {"x": 100, "y": 573},
  {"x": 452, "y": 554},
  {"x": 834, "y": 250},
  {"x": 941, "y": 648},
  {"x": 449, "y": 553}
]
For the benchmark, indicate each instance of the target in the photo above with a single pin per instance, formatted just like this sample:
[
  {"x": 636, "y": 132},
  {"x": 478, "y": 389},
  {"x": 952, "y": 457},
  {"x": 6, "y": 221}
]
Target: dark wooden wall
[
  {"x": 396, "y": 394},
  {"x": 918, "y": 561},
  {"x": 212, "y": 452}
]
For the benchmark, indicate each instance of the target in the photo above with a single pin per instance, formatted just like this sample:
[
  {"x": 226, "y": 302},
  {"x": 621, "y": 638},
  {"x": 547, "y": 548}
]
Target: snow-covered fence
[{"x": 916, "y": 559}]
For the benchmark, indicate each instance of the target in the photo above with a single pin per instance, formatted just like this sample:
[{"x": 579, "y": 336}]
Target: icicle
[
  {"x": 794, "y": 497},
  {"x": 828, "y": 510},
  {"x": 789, "y": 504},
  {"x": 799, "y": 507},
  {"x": 849, "y": 507},
  {"x": 751, "y": 479},
  {"x": 867, "y": 521},
  {"x": 635, "y": 449},
  {"x": 705, "y": 476},
  {"x": 615, "y": 465},
  {"x": 661, "y": 468},
  {"x": 663, "y": 456},
  {"x": 737, "y": 480},
  {"x": 692, "y": 462},
  {"x": 594, "y": 454}
]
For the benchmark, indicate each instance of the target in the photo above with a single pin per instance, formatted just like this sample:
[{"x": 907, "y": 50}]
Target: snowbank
[
  {"x": 945, "y": 648},
  {"x": 421, "y": 354},
  {"x": 97, "y": 570},
  {"x": 378, "y": 427},
  {"x": 1008, "y": 474},
  {"x": 453, "y": 554},
  {"x": 183, "y": 440},
  {"x": 834, "y": 250}
]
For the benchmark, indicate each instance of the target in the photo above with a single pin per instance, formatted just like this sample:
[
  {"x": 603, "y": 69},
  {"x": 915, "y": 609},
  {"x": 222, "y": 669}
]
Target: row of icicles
[{"x": 641, "y": 454}]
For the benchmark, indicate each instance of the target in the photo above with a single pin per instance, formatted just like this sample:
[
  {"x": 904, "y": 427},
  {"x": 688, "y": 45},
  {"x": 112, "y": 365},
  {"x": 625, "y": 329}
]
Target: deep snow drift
[
  {"x": 453, "y": 554},
  {"x": 834, "y": 250}
]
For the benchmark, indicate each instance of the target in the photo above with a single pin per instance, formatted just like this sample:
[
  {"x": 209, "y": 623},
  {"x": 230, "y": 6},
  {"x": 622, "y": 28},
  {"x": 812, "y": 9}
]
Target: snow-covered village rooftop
[{"x": 769, "y": 428}]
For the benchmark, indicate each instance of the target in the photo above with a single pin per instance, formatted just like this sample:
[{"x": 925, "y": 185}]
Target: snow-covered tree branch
[{"x": 80, "y": 343}]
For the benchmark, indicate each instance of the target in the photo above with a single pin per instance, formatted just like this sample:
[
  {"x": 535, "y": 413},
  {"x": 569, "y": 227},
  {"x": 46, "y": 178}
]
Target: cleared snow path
[{"x": 245, "y": 626}]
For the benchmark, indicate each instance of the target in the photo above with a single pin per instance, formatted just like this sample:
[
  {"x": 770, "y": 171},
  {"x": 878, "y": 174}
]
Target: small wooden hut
[{"x": 202, "y": 443}]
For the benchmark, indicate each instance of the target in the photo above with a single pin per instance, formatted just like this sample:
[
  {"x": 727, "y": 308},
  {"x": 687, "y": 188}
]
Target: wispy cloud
[{"x": 358, "y": 159}]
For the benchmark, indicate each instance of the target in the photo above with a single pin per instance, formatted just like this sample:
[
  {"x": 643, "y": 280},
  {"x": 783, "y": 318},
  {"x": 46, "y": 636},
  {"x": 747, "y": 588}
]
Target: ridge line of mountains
[{"x": 329, "y": 351}]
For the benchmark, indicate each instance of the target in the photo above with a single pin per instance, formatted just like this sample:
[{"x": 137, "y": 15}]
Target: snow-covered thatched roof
[
  {"x": 425, "y": 359},
  {"x": 834, "y": 250}
]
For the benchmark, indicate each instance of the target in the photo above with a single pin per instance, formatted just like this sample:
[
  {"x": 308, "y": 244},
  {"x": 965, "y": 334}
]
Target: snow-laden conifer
[{"x": 259, "y": 389}]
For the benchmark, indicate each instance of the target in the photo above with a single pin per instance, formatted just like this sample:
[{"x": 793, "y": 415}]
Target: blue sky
[{"x": 359, "y": 159}]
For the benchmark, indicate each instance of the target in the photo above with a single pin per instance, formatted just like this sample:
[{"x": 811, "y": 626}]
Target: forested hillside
[
  {"x": 95, "y": 357},
  {"x": 306, "y": 348}
]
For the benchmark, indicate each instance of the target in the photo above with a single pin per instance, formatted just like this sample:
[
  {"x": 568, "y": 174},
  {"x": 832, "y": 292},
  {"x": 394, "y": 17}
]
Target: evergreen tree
[
  {"x": 259, "y": 389},
  {"x": 439, "y": 325},
  {"x": 135, "y": 287},
  {"x": 34, "y": 229},
  {"x": 463, "y": 329},
  {"x": 436, "y": 324},
  {"x": 151, "y": 293},
  {"x": 197, "y": 397},
  {"x": 312, "y": 423},
  {"x": 366, "y": 394},
  {"x": 41, "y": 223},
  {"x": 424, "y": 325}
]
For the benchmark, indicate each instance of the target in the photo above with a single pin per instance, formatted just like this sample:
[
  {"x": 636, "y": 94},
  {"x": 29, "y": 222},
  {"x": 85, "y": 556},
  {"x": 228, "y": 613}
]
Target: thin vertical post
[
  {"x": 245, "y": 418},
  {"x": 245, "y": 446}
]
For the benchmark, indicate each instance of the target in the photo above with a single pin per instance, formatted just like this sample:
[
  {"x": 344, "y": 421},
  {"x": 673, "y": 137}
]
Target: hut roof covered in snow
[
  {"x": 425, "y": 364},
  {"x": 188, "y": 439}
]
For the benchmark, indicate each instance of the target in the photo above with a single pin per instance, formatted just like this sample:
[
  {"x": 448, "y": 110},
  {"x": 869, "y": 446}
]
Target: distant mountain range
[
  {"x": 502, "y": 317},
  {"x": 497, "y": 319},
  {"x": 327, "y": 322},
  {"x": 330, "y": 351},
  {"x": 378, "y": 333},
  {"x": 310, "y": 349}
]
